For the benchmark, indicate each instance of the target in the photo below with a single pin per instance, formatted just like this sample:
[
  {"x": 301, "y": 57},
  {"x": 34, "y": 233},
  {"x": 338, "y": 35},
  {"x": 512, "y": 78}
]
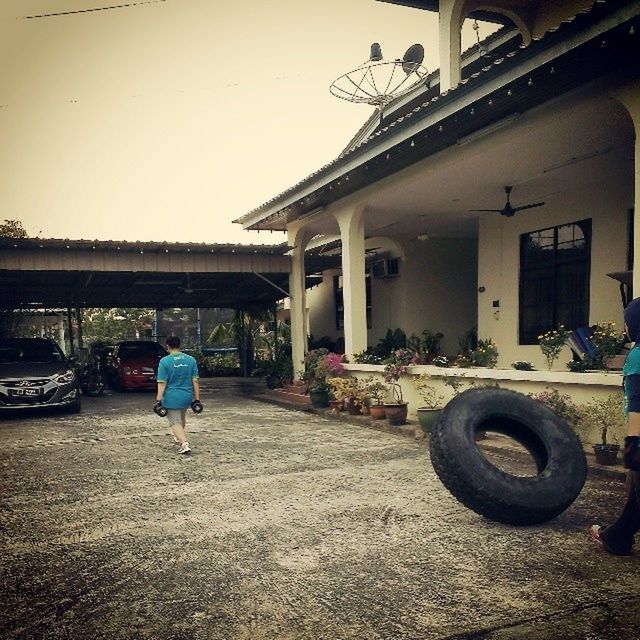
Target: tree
[
  {"x": 12, "y": 229},
  {"x": 113, "y": 325},
  {"x": 246, "y": 330}
]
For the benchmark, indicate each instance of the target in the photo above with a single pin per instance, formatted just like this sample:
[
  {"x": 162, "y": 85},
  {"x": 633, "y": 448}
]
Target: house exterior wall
[
  {"x": 436, "y": 290},
  {"x": 607, "y": 204},
  {"x": 321, "y": 308},
  {"x": 438, "y": 282}
]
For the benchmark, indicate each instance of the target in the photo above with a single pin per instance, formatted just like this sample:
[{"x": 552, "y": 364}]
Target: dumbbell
[
  {"x": 159, "y": 410},
  {"x": 196, "y": 406}
]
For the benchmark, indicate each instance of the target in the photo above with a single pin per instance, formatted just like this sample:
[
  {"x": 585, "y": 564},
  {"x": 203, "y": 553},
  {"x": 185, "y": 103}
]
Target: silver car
[{"x": 35, "y": 373}]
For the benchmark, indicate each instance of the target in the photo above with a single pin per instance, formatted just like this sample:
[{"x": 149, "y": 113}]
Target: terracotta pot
[
  {"x": 336, "y": 405},
  {"x": 428, "y": 418},
  {"x": 606, "y": 454},
  {"x": 615, "y": 362},
  {"x": 377, "y": 411},
  {"x": 396, "y": 413}
]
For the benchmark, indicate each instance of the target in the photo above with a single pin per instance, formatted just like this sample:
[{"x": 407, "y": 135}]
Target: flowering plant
[
  {"x": 485, "y": 354},
  {"x": 367, "y": 357},
  {"x": 375, "y": 389},
  {"x": 607, "y": 342},
  {"x": 551, "y": 343},
  {"x": 440, "y": 361},
  {"x": 319, "y": 365},
  {"x": 395, "y": 366},
  {"x": 561, "y": 404},
  {"x": 344, "y": 388},
  {"x": 431, "y": 398}
]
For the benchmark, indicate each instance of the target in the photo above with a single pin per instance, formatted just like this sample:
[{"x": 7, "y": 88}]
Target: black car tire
[
  {"x": 76, "y": 407},
  {"x": 491, "y": 492}
]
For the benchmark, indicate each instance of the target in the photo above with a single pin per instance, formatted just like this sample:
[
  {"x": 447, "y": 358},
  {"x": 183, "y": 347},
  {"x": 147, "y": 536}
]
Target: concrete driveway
[{"x": 281, "y": 524}]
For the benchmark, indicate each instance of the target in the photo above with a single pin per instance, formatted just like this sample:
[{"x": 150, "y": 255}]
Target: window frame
[
  {"x": 557, "y": 261},
  {"x": 338, "y": 300}
]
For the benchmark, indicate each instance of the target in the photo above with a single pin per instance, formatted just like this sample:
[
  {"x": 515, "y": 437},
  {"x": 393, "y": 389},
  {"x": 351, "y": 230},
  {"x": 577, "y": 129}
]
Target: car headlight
[{"x": 67, "y": 376}]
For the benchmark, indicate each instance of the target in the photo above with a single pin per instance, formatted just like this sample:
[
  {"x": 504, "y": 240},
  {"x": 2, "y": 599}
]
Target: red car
[{"x": 134, "y": 364}]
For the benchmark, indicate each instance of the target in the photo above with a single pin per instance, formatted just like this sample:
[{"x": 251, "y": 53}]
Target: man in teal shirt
[{"x": 178, "y": 389}]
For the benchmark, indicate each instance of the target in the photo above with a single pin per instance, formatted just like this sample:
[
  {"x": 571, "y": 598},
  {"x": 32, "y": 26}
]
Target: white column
[
  {"x": 297, "y": 297},
  {"x": 629, "y": 96},
  {"x": 61, "y": 334},
  {"x": 353, "y": 279},
  {"x": 450, "y": 24}
]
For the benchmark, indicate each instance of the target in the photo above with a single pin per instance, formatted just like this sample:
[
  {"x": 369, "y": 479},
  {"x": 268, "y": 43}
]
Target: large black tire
[{"x": 491, "y": 492}]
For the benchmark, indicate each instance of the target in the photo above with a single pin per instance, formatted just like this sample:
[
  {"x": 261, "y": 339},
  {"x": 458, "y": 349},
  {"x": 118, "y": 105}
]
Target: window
[
  {"x": 554, "y": 279},
  {"x": 339, "y": 300}
]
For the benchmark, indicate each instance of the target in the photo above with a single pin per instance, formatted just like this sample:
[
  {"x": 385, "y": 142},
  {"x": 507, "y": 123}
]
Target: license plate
[{"x": 24, "y": 392}]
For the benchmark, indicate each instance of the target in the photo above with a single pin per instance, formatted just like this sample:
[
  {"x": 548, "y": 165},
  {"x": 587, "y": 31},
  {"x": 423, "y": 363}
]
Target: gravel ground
[{"x": 281, "y": 524}]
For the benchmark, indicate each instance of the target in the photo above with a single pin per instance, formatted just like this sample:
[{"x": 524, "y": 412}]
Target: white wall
[
  {"x": 436, "y": 290},
  {"x": 439, "y": 282},
  {"x": 607, "y": 204}
]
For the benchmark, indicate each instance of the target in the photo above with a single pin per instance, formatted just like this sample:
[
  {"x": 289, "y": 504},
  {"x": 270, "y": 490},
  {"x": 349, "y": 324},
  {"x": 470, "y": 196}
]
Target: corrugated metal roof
[{"x": 139, "y": 245}]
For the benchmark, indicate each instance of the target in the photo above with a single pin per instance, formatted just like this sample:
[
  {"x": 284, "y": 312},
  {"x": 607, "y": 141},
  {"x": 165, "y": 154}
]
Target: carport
[
  {"x": 37, "y": 273},
  {"x": 41, "y": 274}
]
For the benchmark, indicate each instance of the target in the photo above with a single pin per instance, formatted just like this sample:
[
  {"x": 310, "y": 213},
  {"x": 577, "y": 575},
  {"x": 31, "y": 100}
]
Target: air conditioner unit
[{"x": 388, "y": 268}]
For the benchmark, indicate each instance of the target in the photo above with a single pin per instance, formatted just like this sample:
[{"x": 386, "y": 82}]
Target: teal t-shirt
[
  {"x": 177, "y": 370},
  {"x": 631, "y": 367}
]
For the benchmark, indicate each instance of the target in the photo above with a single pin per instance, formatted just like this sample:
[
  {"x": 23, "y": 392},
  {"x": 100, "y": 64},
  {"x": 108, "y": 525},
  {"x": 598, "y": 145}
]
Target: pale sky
[{"x": 167, "y": 120}]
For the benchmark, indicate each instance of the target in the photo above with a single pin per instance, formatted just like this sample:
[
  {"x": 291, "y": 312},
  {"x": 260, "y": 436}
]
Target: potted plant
[
  {"x": 607, "y": 342},
  {"x": 348, "y": 392},
  {"x": 278, "y": 371},
  {"x": 429, "y": 414},
  {"x": 319, "y": 366},
  {"x": 394, "y": 367},
  {"x": 376, "y": 392},
  {"x": 551, "y": 344},
  {"x": 605, "y": 414},
  {"x": 431, "y": 343}
]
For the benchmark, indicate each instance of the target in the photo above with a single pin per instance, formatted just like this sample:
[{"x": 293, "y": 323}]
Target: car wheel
[
  {"x": 76, "y": 407},
  {"x": 491, "y": 492}
]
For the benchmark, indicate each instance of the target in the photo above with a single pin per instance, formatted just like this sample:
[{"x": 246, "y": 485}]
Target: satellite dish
[
  {"x": 412, "y": 58},
  {"x": 377, "y": 82},
  {"x": 376, "y": 52}
]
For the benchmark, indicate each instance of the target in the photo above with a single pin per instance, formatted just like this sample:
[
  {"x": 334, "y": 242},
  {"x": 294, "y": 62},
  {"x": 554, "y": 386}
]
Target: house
[{"x": 544, "y": 111}]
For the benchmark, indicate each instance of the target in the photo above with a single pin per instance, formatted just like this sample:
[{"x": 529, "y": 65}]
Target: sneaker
[
  {"x": 185, "y": 448},
  {"x": 594, "y": 533}
]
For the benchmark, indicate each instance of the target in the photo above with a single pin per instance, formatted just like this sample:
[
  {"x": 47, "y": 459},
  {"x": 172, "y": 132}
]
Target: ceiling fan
[
  {"x": 188, "y": 287},
  {"x": 508, "y": 209}
]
